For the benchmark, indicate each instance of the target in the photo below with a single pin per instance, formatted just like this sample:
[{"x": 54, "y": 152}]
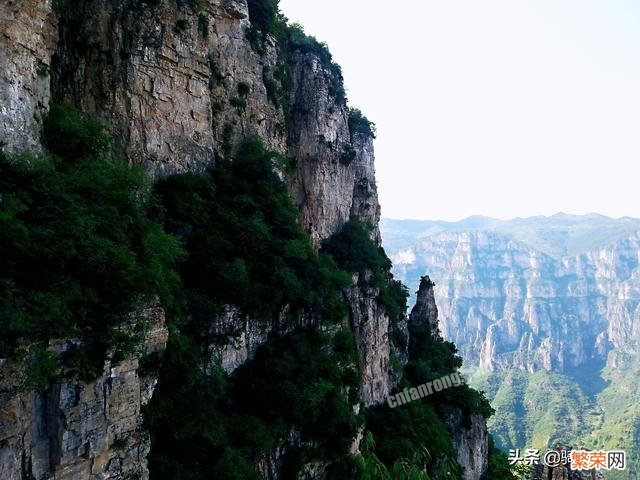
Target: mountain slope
[{"x": 192, "y": 282}]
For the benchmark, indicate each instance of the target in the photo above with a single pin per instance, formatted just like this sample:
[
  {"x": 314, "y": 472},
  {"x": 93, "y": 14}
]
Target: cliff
[
  {"x": 180, "y": 87},
  {"x": 470, "y": 438},
  {"x": 540, "y": 330},
  {"x": 75, "y": 429}
]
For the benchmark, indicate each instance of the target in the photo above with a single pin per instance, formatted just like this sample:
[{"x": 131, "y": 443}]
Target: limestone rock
[
  {"x": 471, "y": 444},
  {"x": 370, "y": 325},
  {"x": 76, "y": 430},
  {"x": 28, "y": 36}
]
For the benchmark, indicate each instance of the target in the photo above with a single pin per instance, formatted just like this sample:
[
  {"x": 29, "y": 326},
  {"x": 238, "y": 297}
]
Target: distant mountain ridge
[
  {"x": 558, "y": 235},
  {"x": 545, "y": 312}
]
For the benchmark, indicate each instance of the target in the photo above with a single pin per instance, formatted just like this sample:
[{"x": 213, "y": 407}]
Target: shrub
[
  {"x": 405, "y": 433},
  {"x": 239, "y": 103},
  {"x": 182, "y": 25},
  {"x": 214, "y": 426},
  {"x": 499, "y": 467},
  {"x": 188, "y": 423},
  {"x": 196, "y": 5},
  {"x": 431, "y": 358},
  {"x": 297, "y": 40},
  {"x": 72, "y": 136},
  {"x": 244, "y": 244},
  {"x": 354, "y": 251},
  {"x": 243, "y": 89},
  {"x": 359, "y": 124},
  {"x": 294, "y": 382},
  {"x": 266, "y": 19},
  {"x": 77, "y": 252},
  {"x": 348, "y": 155},
  {"x": 41, "y": 367},
  {"x": 264, "y": 14}
]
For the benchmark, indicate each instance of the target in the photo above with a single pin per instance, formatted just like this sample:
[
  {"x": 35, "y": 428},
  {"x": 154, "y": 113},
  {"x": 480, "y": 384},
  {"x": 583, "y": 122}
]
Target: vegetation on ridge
[
  {"x": 77, "y": 251},
  {"x": 243, "y": 242}
]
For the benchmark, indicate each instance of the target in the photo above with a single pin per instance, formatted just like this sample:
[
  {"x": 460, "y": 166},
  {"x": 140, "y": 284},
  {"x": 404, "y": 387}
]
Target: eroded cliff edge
[{"x": 179, "y": 85}]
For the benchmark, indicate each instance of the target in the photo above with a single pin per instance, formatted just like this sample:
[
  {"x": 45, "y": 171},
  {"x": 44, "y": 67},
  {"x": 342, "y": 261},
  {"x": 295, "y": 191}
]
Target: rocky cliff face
[
  {"x": 508, "y": 305},
  {"x": 28, "y": 37},
  {"x": 79, "y": 430},
  {"x": 163, "y": 77},
  {"x": 370, "y": 324},
  {"x": 540, "y": 332},
  {"x": 470, "y": 440},
  {"x": 177, "y": 87}
]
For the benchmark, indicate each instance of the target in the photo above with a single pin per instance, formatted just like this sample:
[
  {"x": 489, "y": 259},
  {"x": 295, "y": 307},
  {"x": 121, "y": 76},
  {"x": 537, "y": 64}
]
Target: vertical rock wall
[
  {"x": 470, "y": 439},
  {"x": 28, "y": 36},
  {"x": 77, "y": 430}
]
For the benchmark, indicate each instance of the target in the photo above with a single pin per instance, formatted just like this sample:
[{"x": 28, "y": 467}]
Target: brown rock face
[
  {"x": 174, "y": 85},
  {"x": 370, "y": 324},
  {"x": 177, "y": 88},
  {"x": 28, "y": 35},
  {"x": 471, "y": 445},
  {"x": 425, "y": 311},
  {"x": 365, "y": 204},
  {"x": 78, "y": 430},
  {"x": 322, "y": 185}
]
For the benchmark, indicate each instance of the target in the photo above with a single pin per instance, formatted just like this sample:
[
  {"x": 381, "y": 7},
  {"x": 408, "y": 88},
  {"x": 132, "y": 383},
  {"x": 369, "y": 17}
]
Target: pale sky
[{"x": 494, "y": 107}]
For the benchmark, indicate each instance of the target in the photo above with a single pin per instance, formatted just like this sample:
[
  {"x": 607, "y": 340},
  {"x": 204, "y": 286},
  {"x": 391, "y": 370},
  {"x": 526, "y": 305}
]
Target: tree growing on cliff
[{"x": 77, "y": 251}]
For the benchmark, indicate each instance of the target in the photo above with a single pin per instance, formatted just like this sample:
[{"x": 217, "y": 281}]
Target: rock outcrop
[
  {"x": 471, "y": 444},
  {"x": 28, "y": 37},
  {"x": 77, "y": 430},
  {"x": 370, "y": 324},
  {"x": 470, "y": 439}
]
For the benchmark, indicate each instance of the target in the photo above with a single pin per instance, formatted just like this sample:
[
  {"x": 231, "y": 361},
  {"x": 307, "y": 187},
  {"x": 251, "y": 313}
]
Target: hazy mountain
[
  {"x": 558, "y": 235},
  {"x": 546, "y": 314}
]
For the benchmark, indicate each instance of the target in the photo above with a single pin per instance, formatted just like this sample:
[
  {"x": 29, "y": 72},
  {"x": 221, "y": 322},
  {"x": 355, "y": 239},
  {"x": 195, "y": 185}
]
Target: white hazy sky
[{"x": 495, "y": 107}]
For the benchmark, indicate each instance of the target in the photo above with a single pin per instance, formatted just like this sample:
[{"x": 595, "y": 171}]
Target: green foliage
[
  {"x": 293, "y": 382},
  {"x": 244, "y": 244},
  {"x": 354, "y": 251},
  {"x": 239, "y": 103},
  {"x": 60, "y": 6},
  {"x": 266, "y": 19},
  {"x": 196, "y": 5},
  {"x": 359, "y": 124},
  {"x": 203, "y": 26},
  {"x": 348, "y": 155},
  {"x": 264, "y": 15},
  {"x": 41, "y": 367},
  {"x": 223, "y": 422},
  {"x": 403, "y": 469},
  {"x": 77, "y": 252},
  {"x": 406, "y": 433},
  {"x": 536, "y": 409},
  {"x": 83, "y": 363},
  {"x": 243, "y": 89},
  {"x": 618, "y": 427},
  {"x": 499, "y": 467},
  {"x": 73, "y": 136},
  {"x": 187, "y": 421},
  {"x": 298, "y": 41},
  {"x": 431, "y": 358},
  {"x": 182, "y": 25}
]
